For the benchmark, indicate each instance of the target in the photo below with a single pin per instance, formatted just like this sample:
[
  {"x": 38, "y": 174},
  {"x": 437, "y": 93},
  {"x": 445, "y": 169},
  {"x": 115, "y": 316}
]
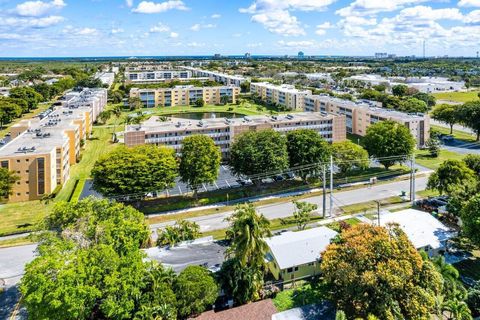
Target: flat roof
[
  {"x": 421, "y": 227},
  {"x": 284, "y": 87},
  {"x": 297, "y": 248},
  {"x": 155, "y": 123}
]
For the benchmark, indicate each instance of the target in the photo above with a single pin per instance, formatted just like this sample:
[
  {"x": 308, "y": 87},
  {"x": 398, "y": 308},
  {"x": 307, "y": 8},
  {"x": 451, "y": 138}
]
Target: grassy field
[
  {"x": 457, "y": 96},
  {"x": 423, "y": 158},
  {"x": 21, "y": 217},
  {"x": 308, "y": 293},
  {"x": 460, "y": 135}
]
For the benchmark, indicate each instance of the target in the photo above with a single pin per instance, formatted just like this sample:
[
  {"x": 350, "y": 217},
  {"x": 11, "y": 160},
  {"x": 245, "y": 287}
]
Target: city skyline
[{"x": 63, "y": 28}]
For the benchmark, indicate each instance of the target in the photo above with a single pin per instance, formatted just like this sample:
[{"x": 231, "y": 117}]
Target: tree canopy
[
  {"x": 389, "y": 141},
  {"x": 377, "y": 271},
  {"x": 469, "y": 115},
  {"x": 348, "y": 156},
  {"x": 7, "y": 181},
  {"x": 447, "y": 114},
  {"x": 256, "y": 152},
  {"x": 136, "y": 170},
  {"x": 451, "y": 176},
  {"x": 471, "y": 219}
]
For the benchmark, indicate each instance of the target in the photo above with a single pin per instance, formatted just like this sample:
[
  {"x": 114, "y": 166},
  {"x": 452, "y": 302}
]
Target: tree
[
  {"x": 399, "y": 90},
  {"x": 135, "y": 103},
  {"x": 8, "y": 112},
  {"x": 199, "y": 103},
  {"x": 389, "y": 141},
  {"x": 469, "y": 115},
  {"x": 473, "y": 162},
  {"x": 196, "y": 290},
  {"x": 137, "y": 170},
  {"x": 371, "y": 270},
  {"x": 380, "y": 88},
  {"x": 447, "y": 114},
  {"x": 348, "y": 156},
  {"x": 413, "y": 105},
  {"x": 256, "y": 152},
  {"x": 471, "y": 219},
  {"x": 473, "y": 299},
  {"x": 225, "y": 99},
  {"x": 183, "y": 230},
  {"x": 7, "y": 181},
  {"x": 452, "y": 175},
  {"x": 307, "y": 148},
  {"x": 245, "y": 86},
  {"x": 427, "y": 98},
  {"x": 27, "y": 94},
  {"x": 433, "y": 146},
  {"x": 200, "y": 161},
  {"x": 303, "y": 213},
  {"x": 104, "y": 116},
  {"x": 457, "y": 310}
]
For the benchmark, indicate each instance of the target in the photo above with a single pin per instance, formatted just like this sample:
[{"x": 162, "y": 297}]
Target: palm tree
[
  {"x": 452, "y": 287},
  {"x": 457, "y": 310},
  {"x": 247, "y": 232}
]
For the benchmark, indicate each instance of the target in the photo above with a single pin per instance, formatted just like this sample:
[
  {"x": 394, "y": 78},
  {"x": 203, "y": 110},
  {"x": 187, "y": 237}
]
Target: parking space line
[
  {"x": 180, "y": 190},
  {"x": 216, "y": 185},
  {"x": 228, "y": 184}
]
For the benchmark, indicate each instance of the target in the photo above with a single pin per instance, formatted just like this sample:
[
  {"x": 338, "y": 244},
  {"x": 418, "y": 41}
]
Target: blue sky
[{"x": 41, "y": 28}]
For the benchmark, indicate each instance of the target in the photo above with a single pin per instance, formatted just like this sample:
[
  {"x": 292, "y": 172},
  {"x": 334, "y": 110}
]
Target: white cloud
[
  {"x": 174, "y": 35},
  {"x": 216, "y": 16},
  {"x": 469, "y": 3},
  {"x": 280, "y": 22},
  {"x": 195, "y": 44},
  {"x": 38, "y": 8},
  {"x": 473, "y": 17},
  {"x": 372, "y": 7},
  {"x": 198, "y": 26},
  {"x": 149, "y": 7},
  {"x": 31, "y": 22},
  {"x": 160, "y": 27},
  {"x": 129, "y": 3},
  {"x": 297, "y": 44},
  {"x": 275, "y": 15},
  {"x": 322, "y": 28},
  {"x": 254, "y": 45},
  {"x": 117, "y": 30},
  {"x": 86, "y": 31}
]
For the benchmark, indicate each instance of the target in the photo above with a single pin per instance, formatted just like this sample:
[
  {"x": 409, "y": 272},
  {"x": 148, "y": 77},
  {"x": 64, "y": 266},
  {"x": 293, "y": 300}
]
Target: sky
[{"x": 76, "y": 28}]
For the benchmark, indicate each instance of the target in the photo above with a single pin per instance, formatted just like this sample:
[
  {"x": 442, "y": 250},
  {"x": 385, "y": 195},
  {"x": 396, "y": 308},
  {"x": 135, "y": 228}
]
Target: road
[{"x": 285, "y": 209}]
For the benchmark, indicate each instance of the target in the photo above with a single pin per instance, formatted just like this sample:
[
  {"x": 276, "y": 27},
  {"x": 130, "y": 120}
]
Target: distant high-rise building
[
  {"x": 381, "y": 55},
  {"x": 301, "y": 55},
  {"x": 247, "y": 55},
  {"x": 217, "y": 56}
]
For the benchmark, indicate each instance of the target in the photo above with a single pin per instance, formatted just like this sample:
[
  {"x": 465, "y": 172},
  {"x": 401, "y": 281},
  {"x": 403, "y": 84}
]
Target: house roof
[
  {"x": 421, "y": 227},
  {"x": 296, "y": 248},
  {"x": 261, "y": 310}
]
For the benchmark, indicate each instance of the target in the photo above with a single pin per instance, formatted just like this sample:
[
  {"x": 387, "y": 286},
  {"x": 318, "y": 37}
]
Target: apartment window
[
  {"x": 4, "y": 164},
  {"x": 289, "y": 270},
  {"x": 18, "y": 160},
  {"x": 41, "y": 175}
]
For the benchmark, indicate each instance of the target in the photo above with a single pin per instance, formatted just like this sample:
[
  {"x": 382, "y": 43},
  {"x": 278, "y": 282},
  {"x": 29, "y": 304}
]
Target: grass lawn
[
  {"x": 457, "y": 96},
  {"x": 307, "y": 294},
  {"x": 99, "y": 144},
  {"x": 21, "y": 217},
  {"x": 423, "y": 158},
  {"x": 459, "y": 135},
  {"x": 370, "y": 205},
  {"x": 16, "y": 242}
]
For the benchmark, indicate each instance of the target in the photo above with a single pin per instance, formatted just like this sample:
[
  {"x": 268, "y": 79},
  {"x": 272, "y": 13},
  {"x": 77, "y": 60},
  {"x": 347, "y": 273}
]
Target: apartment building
[
  {"x": 226, "y": 79},
  {"x": 284, "y": 95},
  {"x": 184, "y": 95},
  {"x": 42, "y": 150},
  {"x": 360, "y": 115},
  {"x": 223, "y": 131},
  {"x": 157, "y": 76}
]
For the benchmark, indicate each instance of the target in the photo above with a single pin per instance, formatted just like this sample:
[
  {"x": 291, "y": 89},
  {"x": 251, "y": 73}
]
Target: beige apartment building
[
  {"x": 284, "y": 95},
  {"x": 223, "y": 131},
  {"x": 158, "y": 76},
  {"x": 360, "y": 115},
  {"x": 184, "y": 95},
  {"x": 226, "y": 79},
  {"x": 42, "y": 151}
]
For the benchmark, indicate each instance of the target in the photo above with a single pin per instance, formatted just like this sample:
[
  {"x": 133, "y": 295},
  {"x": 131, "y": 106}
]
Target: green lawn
[
  {"x": 460, "y": 135},
  {"x": 457, "y": 96},
  {"x": 309, "y": 293},
  {"x": 21, "y": 217},
  {"x": 423, "y": 158}
]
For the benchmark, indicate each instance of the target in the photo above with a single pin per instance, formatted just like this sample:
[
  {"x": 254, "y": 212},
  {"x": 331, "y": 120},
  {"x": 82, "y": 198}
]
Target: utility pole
[
  {"x": 331, "y": 186},
  {"x": 324, "y": 203},
  {"x": 378, "y": 211}
]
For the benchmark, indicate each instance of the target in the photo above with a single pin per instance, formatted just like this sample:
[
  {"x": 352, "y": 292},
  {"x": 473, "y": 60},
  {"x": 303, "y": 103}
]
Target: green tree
[
  {"x": 136, "y": 170},
  {"x": 452, "y": 175},
  {"x": 371, "y": 270},
  {"x": 468, "y": 114},
  {"x": 196, "y": 290},
  {"x": 303, "y": 213},
  {"x": 8, "y": 112},
  {"x": 389, "y": 141},
  {"x": 399, "y": 90},
  {"x": 473, "y": 299},
  {"x": 199, "y": 103},
  {"x": 256, "y": 152},
  {"x": 245, "y": 87},
  {"x": 7, "y": 181},
  {"x": 433, "y": 146},
  {"x": 413, "y": 105},
  {"x": 200, "y": 161},
  {"x": 473, "y": 162},
  {"x": 182, "y": 230},
  {"x": 457, "y": 310},
  {"x": 447, "y": 114},
  {"x": 427, "y": 98},
  {"x": 135, "y": 103},
  {"x": 471, "y": 219},
  {"x": 307, "y": 148},
  {"x": 104, "y": 116},
  {"x": 348, "y": 156},
  {"x": 225, "y": 100},
  {"x": 27, "y": 94}
]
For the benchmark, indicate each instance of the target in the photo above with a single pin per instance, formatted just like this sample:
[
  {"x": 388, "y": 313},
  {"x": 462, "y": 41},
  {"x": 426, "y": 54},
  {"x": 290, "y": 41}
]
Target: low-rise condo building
[
  {"x": 285, "y": 95},
  {"x": 184, "y": 95},
  {"x": 360, "y": 115},
  {"x": 226, "y": 79},
  {"x": 43, "y": 149},
  {"x": 223, "y": 131},
  {"x": 157, "y": 76}
]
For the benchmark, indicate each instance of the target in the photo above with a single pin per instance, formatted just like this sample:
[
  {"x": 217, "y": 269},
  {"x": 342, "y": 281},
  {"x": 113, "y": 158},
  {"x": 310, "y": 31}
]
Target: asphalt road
[{"x": 283, "y": 210}]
